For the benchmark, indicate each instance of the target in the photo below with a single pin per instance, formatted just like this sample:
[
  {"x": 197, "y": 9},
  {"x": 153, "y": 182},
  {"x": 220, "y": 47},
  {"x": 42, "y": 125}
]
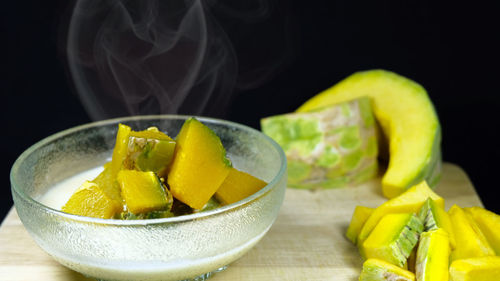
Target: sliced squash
[
  {"x": 359, "y": 217},
  {"x": 408, "y": 202},
  {"x": 199, "y": 165},
  {"x": 143, "y": 192},
  {"x": 238, "y": 185},
  {"x": 470, "y": 241},
  {"x": 90, "y": 200}
]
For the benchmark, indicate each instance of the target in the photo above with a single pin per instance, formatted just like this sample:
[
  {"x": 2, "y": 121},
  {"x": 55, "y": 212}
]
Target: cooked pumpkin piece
[
  {"x": 143, "y": 192},
  {"x": 108, "y": 184},
  {"x": 91, "y": 201},
  {"x": 238, "y": 185},
  {"x": 199, "y": 166},
  {"x": 120, "y": 149},
  {"x": 149, "y": 150}
]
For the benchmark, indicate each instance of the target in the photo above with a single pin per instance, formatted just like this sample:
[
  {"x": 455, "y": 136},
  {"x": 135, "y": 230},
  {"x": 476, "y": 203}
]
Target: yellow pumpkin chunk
[
  {"x": 120, "y": 149},
  {"x": 476, "y": 269},
  {"x": 470, "y": 241},
  {"x": 489, "y": 223},
  {"x": 435, "y": 217},
  {"x": 409, "y": 201},
  {"x": 393, "y": 238},
  {"x": 143, "y": 191},
  {"x": 91, "y": 201},
  {"x": 433, "y": 255},
  {"x": 379, "y": 270},
  {"x": 238, "y": 185},
  {"x": 359, "y": 217},
  {"x": 149, "y": 150},
  {"x": 199, "y": 166},
  {"x": 108, "y": 184}
]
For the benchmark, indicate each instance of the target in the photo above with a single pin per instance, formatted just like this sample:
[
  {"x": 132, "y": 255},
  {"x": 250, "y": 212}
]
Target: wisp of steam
[{"x": 136, "y": 57}]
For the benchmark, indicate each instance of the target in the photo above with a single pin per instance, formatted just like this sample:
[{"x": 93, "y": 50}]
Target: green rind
[
  {"x": 433, "y": 256},
  {"x": 431, "y": 172},
  {"x": 377, "y": 270},
  {"x": 329, "y": 147},
  {"x": 428, "y": 216},
  {"x": 393, "y": 243},
  {"x": 435, "y": 217},
  {"x": 221, "y": 147}
]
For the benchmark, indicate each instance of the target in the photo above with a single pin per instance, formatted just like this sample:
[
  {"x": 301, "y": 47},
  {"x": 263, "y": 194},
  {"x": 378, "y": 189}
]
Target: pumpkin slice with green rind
[
  {"x": 407, "y": 117},
  {"x": 434, "y": 217},
  {"x": 379, "y": 270},
  {"x": 393, "y": 238},
  {"x": 199, "y": 165},
  {"x": 408, "y": 202},
  {"x": 149, "y": 150},
  {"x": 143, "y": 192},
  {"x": 433, "y": 255}
]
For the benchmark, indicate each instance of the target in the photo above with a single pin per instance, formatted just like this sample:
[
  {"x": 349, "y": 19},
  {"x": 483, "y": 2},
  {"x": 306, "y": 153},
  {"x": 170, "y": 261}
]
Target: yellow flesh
[
  {"x": 384, "y": 271},
  {"x": 377, "y": 245},
  {"x": 405, "y": 114},
  {"x": 469, "y": 239},
  {"x": 142, "y": 191},
  {"x": 150, "y": 133},
  {"x": 446, "y": 225},
  {"x": 91, "y": 201},
  {"x": 408, "y": 202},
  {"x": 108, "y": 184},
  {"x": 238, "y": 185},
  {"x": 442, "y": 220},
  {"x": 489, "y": 223},
  {"x": 199, "y": 167},
  {"x": 476, "y": 269},
  {"x": 433, "y": 256},
  {"x": 120, "y": 150},
  {"x": 358, "y": 219}
]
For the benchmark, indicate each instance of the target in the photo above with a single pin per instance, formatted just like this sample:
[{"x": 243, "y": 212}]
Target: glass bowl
[{"x": 177, "y": 248}]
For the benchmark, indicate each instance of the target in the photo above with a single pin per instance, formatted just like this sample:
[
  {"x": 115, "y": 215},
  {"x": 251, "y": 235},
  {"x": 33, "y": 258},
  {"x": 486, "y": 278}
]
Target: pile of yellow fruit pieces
[
  {"x": 149, "y": 171},
  {"x": 413, "y": 237}
]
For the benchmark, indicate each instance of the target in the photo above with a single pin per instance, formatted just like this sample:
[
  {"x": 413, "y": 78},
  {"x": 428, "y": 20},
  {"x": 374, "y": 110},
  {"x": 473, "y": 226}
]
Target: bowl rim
[{"x": 184, "y": 218}]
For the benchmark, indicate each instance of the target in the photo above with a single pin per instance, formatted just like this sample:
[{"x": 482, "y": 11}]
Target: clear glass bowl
[{"x": 178, "y": 248}]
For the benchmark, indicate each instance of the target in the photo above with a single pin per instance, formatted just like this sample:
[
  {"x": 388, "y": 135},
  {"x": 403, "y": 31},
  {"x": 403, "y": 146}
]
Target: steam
[{"x": 161, "y": 57}]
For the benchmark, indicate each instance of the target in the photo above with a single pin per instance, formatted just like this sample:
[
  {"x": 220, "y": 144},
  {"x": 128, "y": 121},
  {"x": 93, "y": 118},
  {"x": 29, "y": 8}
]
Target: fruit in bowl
[{"x": 165, "y": 248}]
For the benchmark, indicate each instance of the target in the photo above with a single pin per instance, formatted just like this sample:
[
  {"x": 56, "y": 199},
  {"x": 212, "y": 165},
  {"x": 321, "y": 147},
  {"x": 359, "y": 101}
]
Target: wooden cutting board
[{"x": 306, "y": 242}]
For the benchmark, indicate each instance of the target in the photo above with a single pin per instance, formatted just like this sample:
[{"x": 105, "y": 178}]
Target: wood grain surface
[{"x": 306, "y": 242}]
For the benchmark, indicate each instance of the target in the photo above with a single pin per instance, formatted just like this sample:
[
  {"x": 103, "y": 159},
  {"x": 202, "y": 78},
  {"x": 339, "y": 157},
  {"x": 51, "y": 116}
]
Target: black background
[{"x": 449, "y": 48}]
